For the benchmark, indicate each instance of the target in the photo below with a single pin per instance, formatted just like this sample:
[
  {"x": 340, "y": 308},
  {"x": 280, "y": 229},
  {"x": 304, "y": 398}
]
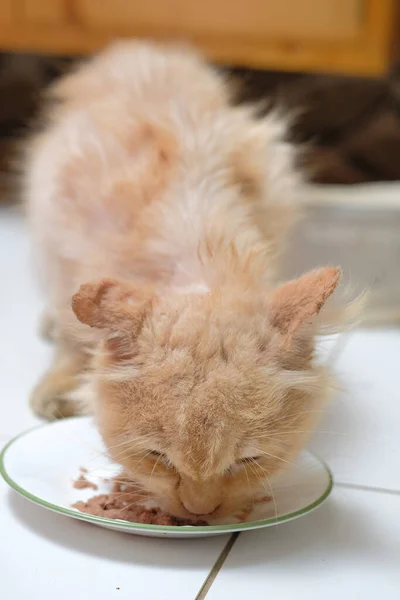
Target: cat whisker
[
  {"x": 143, "y": 457},
  {"x": 131, "y": 441},
  {"x": 261, "y": 480},
  {"x": 349, "y": 435},
  {"x": 258, "y": 466},
  {"x": 154, "y": 467},
  {"x": 126, "y": 453},
  {"x": 277, "y": 458},
  {"x": 295, "y": 431},
  {"x": 251, "y": 462},
  {"x": 141, "y": 500},
  {"x": 273, "y": 498},
  {"x": 305, "y": 412},
  {"x": 130, "y": 482},
  {"x": 134, "y": 503},
  {"x": 128, "y": 456},
  {"x": 116, "y": 496},
  {"x": 113, "y": 457},
  {"x": 247, "y": 477}
]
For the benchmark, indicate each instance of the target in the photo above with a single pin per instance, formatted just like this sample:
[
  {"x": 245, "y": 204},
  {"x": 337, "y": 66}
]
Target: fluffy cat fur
[{"x": 160, "y": 208}]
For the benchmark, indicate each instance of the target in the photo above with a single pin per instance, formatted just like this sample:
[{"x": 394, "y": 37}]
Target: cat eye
[
  {"x": 241, "y": 462},
  {"x": 162, "y": 458},
  {"x": 157, "y": 454},
  {"x": 249, "y": 459}
]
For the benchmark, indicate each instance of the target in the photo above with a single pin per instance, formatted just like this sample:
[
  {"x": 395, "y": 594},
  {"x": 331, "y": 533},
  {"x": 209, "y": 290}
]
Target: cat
[{"x": 161, "y": 208}]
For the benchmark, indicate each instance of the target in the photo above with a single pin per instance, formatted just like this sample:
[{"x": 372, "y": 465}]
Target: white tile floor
[{"x": 348, "y": 548}]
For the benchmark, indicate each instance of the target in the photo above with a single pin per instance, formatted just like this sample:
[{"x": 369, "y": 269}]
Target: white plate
[{"x": 42, "y": 463}]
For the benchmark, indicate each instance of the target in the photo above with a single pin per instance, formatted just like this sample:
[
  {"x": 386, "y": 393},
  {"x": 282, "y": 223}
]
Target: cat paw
[
  {"x": 53, "y": 407},
  {"x": 47, "y": 327},
  {"x": 55, "y": 396},
  {"x": 50, "y": 398}
]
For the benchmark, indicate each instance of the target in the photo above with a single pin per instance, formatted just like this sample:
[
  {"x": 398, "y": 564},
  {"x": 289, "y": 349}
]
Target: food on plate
[
  {"x": 81, "y": 483},
  {"x": 124, "y": 503}
]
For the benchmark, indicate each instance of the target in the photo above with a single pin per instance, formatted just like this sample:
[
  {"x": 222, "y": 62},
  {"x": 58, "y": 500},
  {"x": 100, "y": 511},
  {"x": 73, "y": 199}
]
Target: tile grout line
[
  {"x": 219, "y": 563},
  {"x": 367, "y": 488}
]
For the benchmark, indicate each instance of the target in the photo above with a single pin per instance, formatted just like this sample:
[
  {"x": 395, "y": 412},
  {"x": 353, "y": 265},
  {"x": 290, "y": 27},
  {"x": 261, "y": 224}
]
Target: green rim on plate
[{"x": 145, "y": 527}]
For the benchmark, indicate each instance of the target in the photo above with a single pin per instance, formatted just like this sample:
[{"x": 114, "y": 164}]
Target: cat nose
[{"x": 200, "y": 498}]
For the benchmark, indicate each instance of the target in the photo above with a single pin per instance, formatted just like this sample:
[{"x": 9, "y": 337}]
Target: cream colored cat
[{"x": 170, "y": 206}]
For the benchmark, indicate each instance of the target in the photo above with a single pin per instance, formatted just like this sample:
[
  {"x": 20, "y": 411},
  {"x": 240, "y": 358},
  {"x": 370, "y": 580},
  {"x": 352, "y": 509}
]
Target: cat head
[{"x": 203, "y": 396}]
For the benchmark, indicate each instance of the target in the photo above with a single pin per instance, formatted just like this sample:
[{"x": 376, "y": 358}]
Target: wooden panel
[
  {"x": 335, "y": 19},
  {"x": 44, "y": 11},
  {"x": 328, "y": 57},
  {"x": 6, "y": 11},
  {"x": 368, "y": 53}
]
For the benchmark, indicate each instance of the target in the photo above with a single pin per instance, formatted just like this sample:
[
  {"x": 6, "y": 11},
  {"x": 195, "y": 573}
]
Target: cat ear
[
  {"x": 111, "y": 304},
  {"x": 296, "y": 302}
]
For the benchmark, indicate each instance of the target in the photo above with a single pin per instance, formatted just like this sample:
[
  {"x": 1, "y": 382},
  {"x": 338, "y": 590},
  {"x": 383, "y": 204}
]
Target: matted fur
[{"x": 171, "y": 206}]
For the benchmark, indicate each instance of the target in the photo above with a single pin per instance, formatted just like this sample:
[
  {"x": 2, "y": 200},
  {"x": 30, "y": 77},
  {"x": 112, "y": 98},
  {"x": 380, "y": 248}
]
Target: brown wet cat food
[
  {"x": 81, "y": 483},
  {"x": 122, "y": 503}
]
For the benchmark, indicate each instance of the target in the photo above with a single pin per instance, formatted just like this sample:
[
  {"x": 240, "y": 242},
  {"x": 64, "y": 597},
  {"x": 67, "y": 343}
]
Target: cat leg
[
  {"x": 47, "y": 327},
  {"x": 53, "y": 396}
]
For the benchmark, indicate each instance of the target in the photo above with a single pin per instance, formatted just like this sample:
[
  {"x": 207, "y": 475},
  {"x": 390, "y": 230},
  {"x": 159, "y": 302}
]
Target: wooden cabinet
[
  {"x": 44, "y": 12},
  {"x": 348, "y": 36},
  {"x": 5, "y": 12},
  {"x": 252, "y": 19}
]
